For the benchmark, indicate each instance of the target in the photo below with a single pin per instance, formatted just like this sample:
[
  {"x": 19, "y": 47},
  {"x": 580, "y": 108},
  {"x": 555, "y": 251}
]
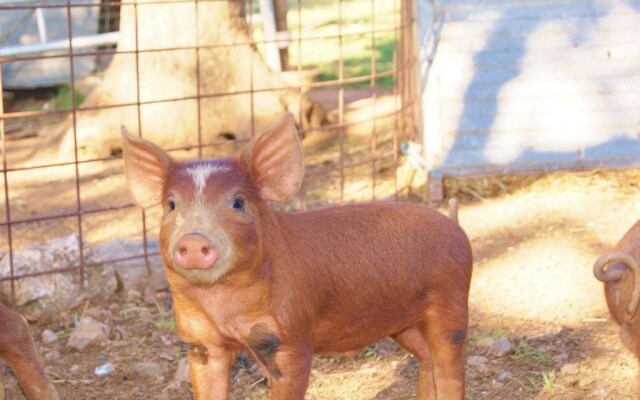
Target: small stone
[
  {"x": 503, "y": 376},
  {"x": 182, "y": 373},
  {"x": 133, "y": 295},
  {"x": 477, "y": 360},
  {"x": 561, "y": 357},
  {"x": 104, "y": 369},
  {"x": 88, "y": 333},
  {"x": 485, "y": 342},
  {"x": 501, "y": 347},
  {"x": 167, "y": 357},
  {"x": 75, "y": 369},
  {"x": 149, "y": 296},
  {"x": 52, "y": 356},
  {"x": 584, "y": 382},
  {"x": 48, "y": 336},
  {"x": 120, "y": 332},
  {"x": 147, "y": 370},
  {"x": 570, "y": 369}
]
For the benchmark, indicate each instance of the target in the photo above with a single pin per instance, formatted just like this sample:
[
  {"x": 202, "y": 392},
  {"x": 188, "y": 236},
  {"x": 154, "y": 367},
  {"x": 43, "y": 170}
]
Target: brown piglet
[
  {"x": 620, "y": 272},
  {"x": 283, "y": 286},
  {"x": 18, "y": 350}
]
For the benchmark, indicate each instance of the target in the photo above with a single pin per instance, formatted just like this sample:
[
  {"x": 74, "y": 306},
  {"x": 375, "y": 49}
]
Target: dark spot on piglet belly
[{"x": 265, "y": 345}]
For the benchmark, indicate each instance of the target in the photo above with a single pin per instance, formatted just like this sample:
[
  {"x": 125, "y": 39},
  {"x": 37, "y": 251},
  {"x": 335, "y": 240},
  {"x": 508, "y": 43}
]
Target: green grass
[
  {"x": 494, "y": 334},
  {"x": 549, "y": 381},
  {"x": 62, "y": 100},
  {"x": 527, "y": 353},
  {"x": 359, "y": 52},
  {"x": 165, "y": 320}
]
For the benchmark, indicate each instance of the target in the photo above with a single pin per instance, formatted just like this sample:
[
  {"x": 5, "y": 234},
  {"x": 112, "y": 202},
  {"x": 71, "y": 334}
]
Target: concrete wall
[{"x": 529, "y": 85}]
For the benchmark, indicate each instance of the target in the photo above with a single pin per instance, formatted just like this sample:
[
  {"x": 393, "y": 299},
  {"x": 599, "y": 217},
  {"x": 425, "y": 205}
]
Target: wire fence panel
[{"x": 192, "y": 77}]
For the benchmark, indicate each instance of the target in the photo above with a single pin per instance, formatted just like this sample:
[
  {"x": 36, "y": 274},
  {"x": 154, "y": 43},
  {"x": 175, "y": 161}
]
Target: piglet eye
[
  {"x": 171, "y": 204},
  {"x": 238, "y": 204}
]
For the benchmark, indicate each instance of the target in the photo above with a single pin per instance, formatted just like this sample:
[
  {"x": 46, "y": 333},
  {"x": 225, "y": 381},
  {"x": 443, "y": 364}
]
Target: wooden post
[{"x": 280, "y": 8}]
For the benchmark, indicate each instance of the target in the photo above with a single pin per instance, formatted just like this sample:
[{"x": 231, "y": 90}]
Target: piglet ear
[
  {"x": 274, "y": 160},
  {"x": 146, "y": 167}
]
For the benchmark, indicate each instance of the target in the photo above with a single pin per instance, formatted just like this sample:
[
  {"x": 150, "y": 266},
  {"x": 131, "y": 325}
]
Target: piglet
[
  {"x": 283, "y": 286},
  {"x": 620, "y": 272},
  {"x": 18, "y": 350}
]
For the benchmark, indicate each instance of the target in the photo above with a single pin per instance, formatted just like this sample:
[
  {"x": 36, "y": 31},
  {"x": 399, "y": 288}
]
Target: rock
[
  {"x": 48, "y": 336},
  {"x": 133, "y": 273},
  {"x": 502, "y": 347},
  {"x": 52, "y": 356},
  {"x": 147, "y": 370},
  {"x": 477, "y": 360},
  {"x": 485, "y": 342},
  {"x": 75, "y": 369},
  {"x": 104, "y": 369},
  {"x": 88, "y": 333},
  {"x": 570, "y": 369},
  {"x": 503, "y": 376},
  {"x": 47, "y": 294},
  {"x": 182, "y": 373},
  {"x": 149, "y": 296},
  {"x": 499, "y": 347},
  {"x": 133, "y": 295}
]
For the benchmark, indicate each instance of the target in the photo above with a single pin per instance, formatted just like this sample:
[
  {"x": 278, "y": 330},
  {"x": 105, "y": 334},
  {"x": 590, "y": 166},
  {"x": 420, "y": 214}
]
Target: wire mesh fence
[{"x": 199, "y": 78}]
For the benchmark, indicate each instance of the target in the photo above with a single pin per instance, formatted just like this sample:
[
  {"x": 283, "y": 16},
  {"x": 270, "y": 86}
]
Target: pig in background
[
  {"x": 284, "y": 286},
  {"x": 18, "y": 350},
  {"x": 620, "y": 272}
]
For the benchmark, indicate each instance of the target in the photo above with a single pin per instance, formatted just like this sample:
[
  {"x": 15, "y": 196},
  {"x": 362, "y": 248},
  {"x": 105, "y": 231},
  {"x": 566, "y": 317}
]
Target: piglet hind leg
[
  {"x": 414, "y": 341},
  {"x": 445, "y": 329}
]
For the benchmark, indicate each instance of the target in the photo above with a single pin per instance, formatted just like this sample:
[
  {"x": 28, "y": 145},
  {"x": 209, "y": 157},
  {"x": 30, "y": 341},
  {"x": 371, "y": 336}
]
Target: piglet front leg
[
  {"x": 289, "y": 372},
  {"x": 210, "y": 371}
]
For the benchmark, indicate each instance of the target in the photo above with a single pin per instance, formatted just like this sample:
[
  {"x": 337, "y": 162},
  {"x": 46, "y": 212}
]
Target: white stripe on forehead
[{"x": 200, "y": 173}]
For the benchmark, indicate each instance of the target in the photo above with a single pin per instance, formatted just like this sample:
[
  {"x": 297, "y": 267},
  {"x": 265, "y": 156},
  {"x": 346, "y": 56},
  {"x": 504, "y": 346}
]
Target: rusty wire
[{"x": 403, "y": 113}]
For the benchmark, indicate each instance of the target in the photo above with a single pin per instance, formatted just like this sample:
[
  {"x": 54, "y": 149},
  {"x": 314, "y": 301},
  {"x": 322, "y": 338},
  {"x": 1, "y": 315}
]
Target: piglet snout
[{"x": 194, "y": 251}]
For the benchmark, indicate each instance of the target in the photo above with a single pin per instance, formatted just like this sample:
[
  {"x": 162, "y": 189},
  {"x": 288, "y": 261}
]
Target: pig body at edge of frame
[
  {"x": 286, "y": 285},
  {"x": 620, "y": 273}
]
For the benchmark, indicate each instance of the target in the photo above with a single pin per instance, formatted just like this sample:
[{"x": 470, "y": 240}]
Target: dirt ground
[{"x": 534, "y": 237}]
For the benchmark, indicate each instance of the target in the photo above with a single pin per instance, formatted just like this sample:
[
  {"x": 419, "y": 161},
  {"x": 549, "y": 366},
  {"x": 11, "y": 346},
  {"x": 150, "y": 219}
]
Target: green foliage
[
  {"x": 494, "y": 334},
  {"x": 527, "y": 353},
  {"x": 549, "y": 381},
  {"x": 165, "y": 320},
  {"x": 62, "y": 100},
  {"x": 361, "y": 35}
]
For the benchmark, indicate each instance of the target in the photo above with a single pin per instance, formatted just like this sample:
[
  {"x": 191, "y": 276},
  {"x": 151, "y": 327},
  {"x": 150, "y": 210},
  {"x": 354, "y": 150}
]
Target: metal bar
[
  {"x": 272, "y": 53},
  {"x": 137, "y": 104},
  {"x": 341, "y": 100},
  {"x": 42, "y": 27},
  {"x": 100, "y": 39},
  {"x": 72, "y": 86},
  {"x": 7, "y": 205},
  {"x": 208, "y": 46},
  {"x": 76, "y": 267},
  {"x": 214, "y": 144},
  {"x": 198, "y": 95},
  {"x": 374, "y": 142},
  {"x": 302, "y": 197},
  {"x": 316, "y": 85}
]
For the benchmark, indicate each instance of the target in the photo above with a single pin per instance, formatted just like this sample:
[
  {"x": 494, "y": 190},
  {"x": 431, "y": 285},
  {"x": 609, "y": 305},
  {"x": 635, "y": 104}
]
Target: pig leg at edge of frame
[{"x": 18, "y": 350}]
